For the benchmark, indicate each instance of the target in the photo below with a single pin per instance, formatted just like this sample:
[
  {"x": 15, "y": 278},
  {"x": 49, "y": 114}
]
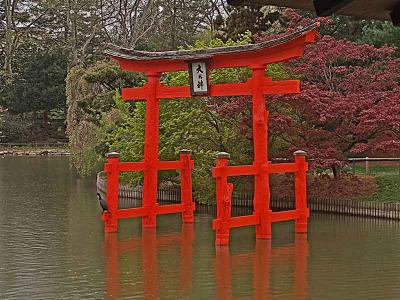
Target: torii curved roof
[
  {"x": 131, "y": 54},
  {"x": 276, "y": 50}
]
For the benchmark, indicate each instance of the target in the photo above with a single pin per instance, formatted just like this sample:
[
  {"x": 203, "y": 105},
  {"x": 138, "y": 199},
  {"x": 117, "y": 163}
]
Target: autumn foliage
[{"x": 349, "y": 104}]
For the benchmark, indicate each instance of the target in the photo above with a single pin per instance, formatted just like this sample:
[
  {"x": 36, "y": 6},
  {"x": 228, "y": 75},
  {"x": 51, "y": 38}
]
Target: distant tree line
[
  {"x": 55, "y": 79},
  {"x": 40, "y": 41}
]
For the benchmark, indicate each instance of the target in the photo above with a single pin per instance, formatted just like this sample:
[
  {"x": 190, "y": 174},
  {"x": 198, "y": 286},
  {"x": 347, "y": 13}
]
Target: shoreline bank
[{"x": 34, "y": 152}]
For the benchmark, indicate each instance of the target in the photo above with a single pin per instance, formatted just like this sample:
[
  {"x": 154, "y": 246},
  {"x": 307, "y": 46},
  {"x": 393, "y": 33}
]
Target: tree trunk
[
  {"x": 336, "y": 171},
  {"x": 72, "y": 24},
  {"x": 173, "y": 26},
  {"x": 10, "y": 39}
]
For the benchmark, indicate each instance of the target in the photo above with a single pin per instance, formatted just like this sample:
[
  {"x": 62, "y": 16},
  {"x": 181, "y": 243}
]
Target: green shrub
[{"x": 15, "y": 128}]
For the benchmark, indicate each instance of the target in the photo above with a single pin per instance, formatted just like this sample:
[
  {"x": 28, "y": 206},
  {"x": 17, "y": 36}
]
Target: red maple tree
[{"x": 349, "y": 104}]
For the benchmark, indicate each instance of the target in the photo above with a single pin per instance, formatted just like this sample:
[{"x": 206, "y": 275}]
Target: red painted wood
[
  {"x": 131, "y": 166},
  {"x": 246, "y": 170},
  {"x": 131, "y": 212},
  {"x": 191, "y": 164},
  {"x": 143, "y": 211},
  {"x": 111, "y": 222},
  {"x": 151, "y": 152},
  {"x": 281, "y": 87},
  {"x": 224, "y": 204},
  {"x": 258, "y": 86},
  {"x": 216, "y": 90},
  {"x": 230, "y": 89},
  {"x": 244, "y": 221},
  {"x": 282, "y": 168},
  {"x": 169, "y": 165},
  {"x": 311, "y": 37},
  {"x": 113, "y": 167},
  {"x": 152, "y": 66},
  {"x": 242, "y": 170},
  {"x": 278, "y": 53},
  {"x": 235, "y": 171},
  {"x": 169, "y": 209},
  {"x": 134, "y": 93},
  {"x": 260, "y": 140},
  {"x": 284, "y": 215},
  {"x": 301, "y": 194},
  {"x": 186, "y": 188},
  {"x": 174, "y": 92},
  {"x": 261, "y": 169}
]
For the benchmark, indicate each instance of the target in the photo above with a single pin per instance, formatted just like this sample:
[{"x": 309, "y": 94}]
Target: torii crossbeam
[{"x": 255, "y": 56}]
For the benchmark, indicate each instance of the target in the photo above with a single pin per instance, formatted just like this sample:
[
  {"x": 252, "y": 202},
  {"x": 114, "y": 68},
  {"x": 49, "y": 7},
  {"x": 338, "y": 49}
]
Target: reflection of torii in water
[
  {"x": 225, "y": 263},
  {"x": 148, "y": 245},
  {"x": 260, "y": 262}
]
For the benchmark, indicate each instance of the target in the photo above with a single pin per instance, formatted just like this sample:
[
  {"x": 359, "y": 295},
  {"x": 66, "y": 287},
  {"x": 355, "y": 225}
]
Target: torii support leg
[
  {"x": 260, "y": 139},
  {"x": 151, "y": 151},
  {"x": 109, "y": 216},
  {"x": 224, "y": 203},
  {"x": 186, "y": 187},
  {"x": 301, "y": 192}
]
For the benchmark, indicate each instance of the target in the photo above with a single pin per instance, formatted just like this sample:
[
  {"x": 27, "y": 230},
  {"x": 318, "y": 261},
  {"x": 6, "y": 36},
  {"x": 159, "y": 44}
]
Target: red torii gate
[{"x": 255, "y": 56}]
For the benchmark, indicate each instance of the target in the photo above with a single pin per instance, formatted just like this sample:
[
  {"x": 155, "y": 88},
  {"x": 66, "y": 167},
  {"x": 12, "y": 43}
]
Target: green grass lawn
[
  {"x": 388, "y": 180},
  {"x": 378, "y": 170},
  {"x": 389, "y": 189}
]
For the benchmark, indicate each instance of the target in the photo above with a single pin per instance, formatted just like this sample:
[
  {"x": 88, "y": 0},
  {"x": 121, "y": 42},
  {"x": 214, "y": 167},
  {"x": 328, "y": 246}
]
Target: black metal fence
[{"x": 242, "y": 203}]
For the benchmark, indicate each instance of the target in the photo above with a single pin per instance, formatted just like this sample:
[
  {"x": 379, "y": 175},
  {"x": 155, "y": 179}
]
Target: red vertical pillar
[
  {"x": 260, "y": 140},
  {"x": 110, "y": 217},
  {"x": 151, "y": 151},
  {"x": 300, "y": 191},
  {"x": 186, "y": 187},
  {"x": 224, "y": 203}
]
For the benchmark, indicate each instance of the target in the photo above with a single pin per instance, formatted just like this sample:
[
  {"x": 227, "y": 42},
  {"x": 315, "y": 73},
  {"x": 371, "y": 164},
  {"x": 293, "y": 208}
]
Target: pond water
[{"x": 52, "y": 246}]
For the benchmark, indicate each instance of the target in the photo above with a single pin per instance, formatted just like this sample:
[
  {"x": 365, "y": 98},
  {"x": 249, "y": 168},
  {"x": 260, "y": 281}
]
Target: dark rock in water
[{"x": 102, "y": 202}]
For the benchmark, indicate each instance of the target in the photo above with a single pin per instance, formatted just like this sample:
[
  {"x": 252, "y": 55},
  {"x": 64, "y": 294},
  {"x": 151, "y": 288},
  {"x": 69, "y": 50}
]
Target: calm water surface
[{"x": 52, "y": 246}]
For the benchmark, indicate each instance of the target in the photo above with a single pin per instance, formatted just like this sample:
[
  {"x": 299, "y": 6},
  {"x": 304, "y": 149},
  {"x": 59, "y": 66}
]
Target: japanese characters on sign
[{"x": 198, "y": 78}]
